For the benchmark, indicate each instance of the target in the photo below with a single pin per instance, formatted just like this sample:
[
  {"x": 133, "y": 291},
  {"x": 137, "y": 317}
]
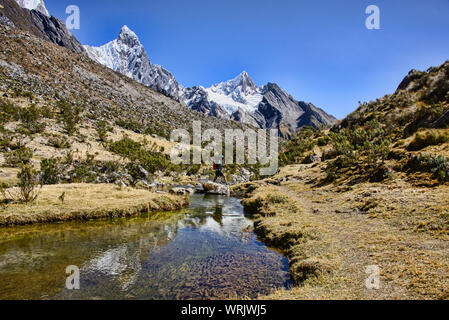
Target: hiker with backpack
[{"x": 218, "y": 167}]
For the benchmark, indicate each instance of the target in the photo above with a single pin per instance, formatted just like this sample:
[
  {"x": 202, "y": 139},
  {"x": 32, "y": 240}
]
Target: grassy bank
[
  {"x": 332, "y": 233},
  {"x": 85, "y": 202}
]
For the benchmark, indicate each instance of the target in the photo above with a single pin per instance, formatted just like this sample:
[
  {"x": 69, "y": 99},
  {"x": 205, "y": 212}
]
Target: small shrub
[
  {"x": 50, "y": 170},
  {"x": 21, "y": 156},
  {"x": 28, "y": 184},
  {"x": 82, "y": 170},
  {"x": 47, "y": 112},
  {"x": 69, "y": 116},
  {"x": 296, "y": 148},
  {"x": 193, "y": 169},
  {"x": 4, "y": 194},
  {"x": 437, "y": 165},
  {"x": 323, "y": 141},
  {"x": 102, "y": 130},
  {"x": 150, "y": 160},
  {"x": 8, "y": 111},
  {"x": 110, "y": 167},
  {"x": 424, "y": 117},
  {"x": 59, "y": 142},
  {"x": 276, "y": 199}
]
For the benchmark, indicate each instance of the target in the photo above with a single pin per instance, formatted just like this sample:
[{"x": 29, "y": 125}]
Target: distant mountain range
[{"x": 238, "y": 99}]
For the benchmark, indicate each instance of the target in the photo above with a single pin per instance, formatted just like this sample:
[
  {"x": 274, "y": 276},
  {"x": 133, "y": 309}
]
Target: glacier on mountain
[
  {"x": 37, "y": 5},
  {"x": 127, "y": 55},
  {"x": 237, "y": 94}
]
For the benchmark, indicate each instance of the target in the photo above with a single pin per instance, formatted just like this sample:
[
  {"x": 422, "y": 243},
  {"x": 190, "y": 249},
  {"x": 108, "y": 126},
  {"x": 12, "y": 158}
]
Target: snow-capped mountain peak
[
  {"x": 236, "y": 94},
  {"x": 127, "y": 55},
  {"x": 238, "y": 99},
  {"x": 37, "y": 5},
  {"x": 243, "y": 82},
  {"x": 128, "y": 36}
]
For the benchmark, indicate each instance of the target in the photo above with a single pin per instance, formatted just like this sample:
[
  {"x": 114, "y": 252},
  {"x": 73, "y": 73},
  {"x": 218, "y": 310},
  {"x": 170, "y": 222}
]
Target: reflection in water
[{"x": 204, "y": 252}]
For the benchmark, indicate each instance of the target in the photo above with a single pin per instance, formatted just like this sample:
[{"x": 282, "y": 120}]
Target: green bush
[
  {"x": 28, "y": 184},
  {"x": 8, "y": 111},
  {"x": 21, "y": 156},
  {"x": 102, "y": 129},
  {"x": 437, "y": 165},
  {"x": 58, "y": 142},
  {"x": 365, "y": 147},
  {"x": 82, "y": 170},
  {"x": 424, "y": 116},
  {"x": 150, "y": 160},
  {"x": 193, "y": 169},
  {"x": 69, "y": 116},
  {"x": 50, "y": 170},
  {"x": 18, "y": 92},
  {"x": 110, "y": 167},
  {"x": 296, "y": 148},
  {"x": 30, "y": 117}
]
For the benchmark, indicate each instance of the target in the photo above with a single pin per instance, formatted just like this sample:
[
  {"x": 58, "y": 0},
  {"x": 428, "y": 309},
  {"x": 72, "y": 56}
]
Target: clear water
[{"x": 205, "y": 252}]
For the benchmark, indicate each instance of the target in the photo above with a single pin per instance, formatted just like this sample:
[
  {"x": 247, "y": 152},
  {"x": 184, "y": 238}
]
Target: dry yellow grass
[
  {"x": 8, "y": 176},
  {"x": 87, "y": 201},
  {"x": 333, "y": 233}
]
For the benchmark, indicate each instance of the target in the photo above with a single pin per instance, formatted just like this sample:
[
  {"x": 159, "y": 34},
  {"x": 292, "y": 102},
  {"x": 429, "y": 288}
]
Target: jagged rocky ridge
[
  {"x": 127, "y": 56},
  {"x": 238, "y": 99},
  {"x": 264, "y": 107},
  {"x": 35, "y": 19}
]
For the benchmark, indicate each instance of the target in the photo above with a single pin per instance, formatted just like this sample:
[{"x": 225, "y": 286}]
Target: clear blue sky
[{"x": 319, "y": 51}]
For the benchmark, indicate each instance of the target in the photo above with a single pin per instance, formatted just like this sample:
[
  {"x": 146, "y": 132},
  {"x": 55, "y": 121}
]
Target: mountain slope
[
  {"x": 127, "y": 56},
  {"x": 53, "y": 73},
  {"x": 400, "y": 133},
  {"x": 38, "y": 23}
]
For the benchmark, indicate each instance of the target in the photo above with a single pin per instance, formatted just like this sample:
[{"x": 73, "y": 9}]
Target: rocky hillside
[
  {"x": 78, "y": 121},
  {"x": 402, "y": 132},
  {"x": 38, "y": 23},
  {"x": 52, "y": 73}
]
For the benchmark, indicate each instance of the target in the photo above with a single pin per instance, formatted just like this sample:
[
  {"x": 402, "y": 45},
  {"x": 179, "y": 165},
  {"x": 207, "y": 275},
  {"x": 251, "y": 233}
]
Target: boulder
[
  {"x": 143, "y": 173},
  {"x": 312, "y": 158},
  {"x": 182, "y": 191},
  {"x": 216, "y": 189},
  {"x": 246, "y": 174}
]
